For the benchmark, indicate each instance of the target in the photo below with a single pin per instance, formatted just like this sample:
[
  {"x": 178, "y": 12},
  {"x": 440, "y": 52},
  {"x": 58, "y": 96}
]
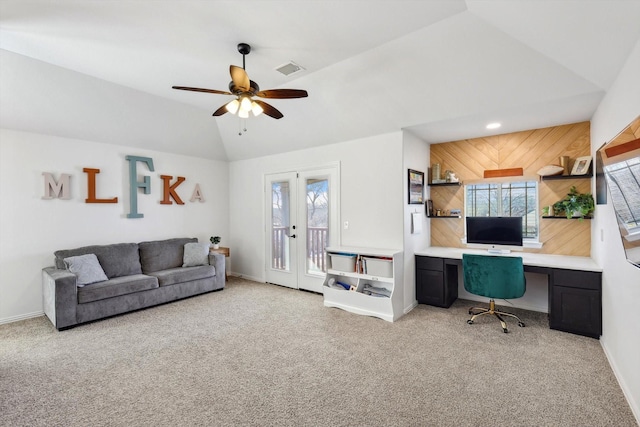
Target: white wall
[
  {"x": 621, "y": 281},
  {"x": 31, "y": 228},
  {"x": 43, "y": 98},
  {"x": 415, "y": 156},
  {"x": 371, "y": 196}
]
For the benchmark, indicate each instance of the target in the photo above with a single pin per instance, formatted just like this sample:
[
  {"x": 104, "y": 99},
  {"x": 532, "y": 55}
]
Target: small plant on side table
[{"x": 215, "y": 240}]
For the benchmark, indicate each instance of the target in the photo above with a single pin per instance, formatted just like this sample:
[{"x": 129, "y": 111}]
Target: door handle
[{"x": 293, "y": 236}]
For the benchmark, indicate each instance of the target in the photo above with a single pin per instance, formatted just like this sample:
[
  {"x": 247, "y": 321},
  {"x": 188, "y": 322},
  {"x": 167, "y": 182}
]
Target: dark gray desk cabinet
[
  {"x": 436, "y": 281},
  {"x": 575, "y": 302},
  {"x": 574, "y": 295}
]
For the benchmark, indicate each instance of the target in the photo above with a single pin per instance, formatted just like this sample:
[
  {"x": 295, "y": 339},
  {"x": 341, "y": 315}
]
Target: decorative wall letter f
[{"x": 134, "y": 184}]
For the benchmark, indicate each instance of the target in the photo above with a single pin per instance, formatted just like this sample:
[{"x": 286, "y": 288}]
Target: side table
[{"x": 224, "y": 251}]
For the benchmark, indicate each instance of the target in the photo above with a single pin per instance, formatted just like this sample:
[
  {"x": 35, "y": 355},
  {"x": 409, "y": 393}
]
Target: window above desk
[{"x": 517, "y": 198}]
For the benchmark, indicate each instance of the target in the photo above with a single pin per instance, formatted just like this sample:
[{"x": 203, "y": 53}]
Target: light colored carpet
[{"x": 262, "y": 355}]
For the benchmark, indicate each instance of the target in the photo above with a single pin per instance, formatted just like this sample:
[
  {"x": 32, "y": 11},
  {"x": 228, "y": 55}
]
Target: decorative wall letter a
[
  {"x": 197, "y": 194},
  {"x": 134, "y": 184},
  {"x": 91, "y": 188}
]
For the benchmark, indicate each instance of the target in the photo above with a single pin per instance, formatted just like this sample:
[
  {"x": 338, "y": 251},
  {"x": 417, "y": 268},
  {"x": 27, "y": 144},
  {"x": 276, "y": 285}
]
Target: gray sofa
[{"x": 138, "y": 275}]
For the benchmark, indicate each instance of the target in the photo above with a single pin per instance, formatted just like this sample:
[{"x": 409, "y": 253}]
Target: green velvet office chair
[{"x": 499, "y": 277}]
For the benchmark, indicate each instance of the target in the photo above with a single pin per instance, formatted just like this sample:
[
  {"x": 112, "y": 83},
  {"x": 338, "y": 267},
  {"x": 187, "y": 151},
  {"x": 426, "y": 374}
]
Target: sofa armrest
[
  {"x": 217, "y": 260},
  {"x": 60, "y": 296}
]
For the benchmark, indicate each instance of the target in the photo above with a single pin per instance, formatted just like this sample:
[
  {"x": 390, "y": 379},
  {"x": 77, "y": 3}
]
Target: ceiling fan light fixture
[
  {"x": 233, "y": 106},
  {"x": 256, "y": 109},
  {"x": 245, "y": 104},
  {"x": 244, "y": 89}
]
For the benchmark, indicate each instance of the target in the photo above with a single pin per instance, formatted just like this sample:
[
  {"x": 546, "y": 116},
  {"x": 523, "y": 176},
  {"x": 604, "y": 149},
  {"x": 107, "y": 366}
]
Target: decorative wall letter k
[{"x": 170, "y": 190}]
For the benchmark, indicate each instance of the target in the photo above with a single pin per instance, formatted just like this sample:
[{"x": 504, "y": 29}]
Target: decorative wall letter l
[
  {"x": 52, "y": 189},
  {"x": 134, "y": 184},
  {"x": 170, "y": 190},
  {"x": 91, "y": 188}
]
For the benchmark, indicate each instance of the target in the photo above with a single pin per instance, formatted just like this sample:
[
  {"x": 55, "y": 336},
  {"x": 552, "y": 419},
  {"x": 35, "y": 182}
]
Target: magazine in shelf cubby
[{"x": 365, "y": 281}]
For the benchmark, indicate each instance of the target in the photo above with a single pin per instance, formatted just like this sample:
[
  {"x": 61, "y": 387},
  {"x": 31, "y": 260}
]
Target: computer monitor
[{"x": 498, "y": 234}]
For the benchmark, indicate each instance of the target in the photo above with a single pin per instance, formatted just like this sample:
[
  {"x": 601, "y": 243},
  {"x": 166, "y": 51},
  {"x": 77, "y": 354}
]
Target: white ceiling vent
[{"x": 290, "y": 68}]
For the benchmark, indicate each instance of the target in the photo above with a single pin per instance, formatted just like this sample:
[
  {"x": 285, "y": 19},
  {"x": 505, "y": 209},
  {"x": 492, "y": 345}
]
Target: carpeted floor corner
[{"x": 262, "y": 355}]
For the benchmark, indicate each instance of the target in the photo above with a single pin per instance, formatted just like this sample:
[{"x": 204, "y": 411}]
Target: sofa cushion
[
  {"x": 116, "y": 287},
  {"x": 120, "y": 259},
  {"x": 195, "y": 254},
  {"x": 183, "y": 274},
  {"x": 86, "y": 268},
  {"x": 162, "y": 254}
]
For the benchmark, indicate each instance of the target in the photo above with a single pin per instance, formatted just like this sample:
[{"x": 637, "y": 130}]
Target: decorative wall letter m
[{"x": 52, "y": 189}]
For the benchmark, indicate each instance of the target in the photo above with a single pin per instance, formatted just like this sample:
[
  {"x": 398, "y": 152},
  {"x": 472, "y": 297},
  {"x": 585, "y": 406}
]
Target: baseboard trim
[
  {"x": 411, "y": 307},
  {"x": 20, "y": 317},
  {"x": 625, "y": 389},
  {"x": 244, "y": 276}
]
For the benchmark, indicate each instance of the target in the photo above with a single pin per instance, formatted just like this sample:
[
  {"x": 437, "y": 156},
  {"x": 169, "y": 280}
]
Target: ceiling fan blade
[
  {"x": 240, "y": 78},
  {"x": 197, "y": 89},
  {"x": 269, "y": 110},
  {"x": 282, "y": 93},
  {"x": 220, "y": 111}
]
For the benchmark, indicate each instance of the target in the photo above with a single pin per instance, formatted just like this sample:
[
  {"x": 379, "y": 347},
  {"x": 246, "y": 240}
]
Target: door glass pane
[
  {"x": 317, "y": 224},
  {"x": 280, "y": 192}
]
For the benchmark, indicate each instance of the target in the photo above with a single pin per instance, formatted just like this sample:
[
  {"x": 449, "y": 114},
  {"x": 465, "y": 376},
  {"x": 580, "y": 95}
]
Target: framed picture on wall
[{"x": 416, "y": 187}]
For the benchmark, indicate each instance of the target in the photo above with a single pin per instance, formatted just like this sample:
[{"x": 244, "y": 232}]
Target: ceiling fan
[{"x": 244, "y": 91}]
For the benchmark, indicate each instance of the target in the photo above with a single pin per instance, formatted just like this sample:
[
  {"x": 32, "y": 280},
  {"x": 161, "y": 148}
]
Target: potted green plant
[
  {"x": 215, "y": 241},
  {"x": 575, "y": 204}
]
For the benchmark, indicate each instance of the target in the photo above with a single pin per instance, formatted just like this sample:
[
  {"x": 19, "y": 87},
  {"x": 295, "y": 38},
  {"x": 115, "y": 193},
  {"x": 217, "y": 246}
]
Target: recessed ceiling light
[{"x": 494, "y": 125}]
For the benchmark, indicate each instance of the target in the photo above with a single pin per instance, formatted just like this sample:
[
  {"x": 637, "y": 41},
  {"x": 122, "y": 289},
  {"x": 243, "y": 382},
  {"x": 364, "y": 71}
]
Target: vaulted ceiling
[{"x": 439, "y": 69}]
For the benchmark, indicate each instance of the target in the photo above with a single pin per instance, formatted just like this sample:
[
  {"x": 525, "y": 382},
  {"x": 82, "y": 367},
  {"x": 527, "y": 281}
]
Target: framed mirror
[{"x": 621, "y": 167}]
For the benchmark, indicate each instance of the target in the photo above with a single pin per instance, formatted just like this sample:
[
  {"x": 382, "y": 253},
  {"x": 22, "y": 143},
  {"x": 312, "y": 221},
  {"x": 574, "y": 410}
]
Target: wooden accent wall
[{"x": 530, "y": 150}]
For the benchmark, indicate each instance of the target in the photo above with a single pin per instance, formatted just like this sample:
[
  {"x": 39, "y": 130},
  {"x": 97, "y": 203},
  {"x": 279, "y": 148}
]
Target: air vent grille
[{"x": 289, "y": 68}]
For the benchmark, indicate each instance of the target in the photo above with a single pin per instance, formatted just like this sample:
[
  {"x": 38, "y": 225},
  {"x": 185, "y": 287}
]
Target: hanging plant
[{"x": 575, "y": 204}]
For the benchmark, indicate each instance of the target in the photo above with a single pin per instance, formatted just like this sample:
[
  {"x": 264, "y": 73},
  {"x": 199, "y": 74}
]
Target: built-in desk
[{"x": 574, "y": 285}]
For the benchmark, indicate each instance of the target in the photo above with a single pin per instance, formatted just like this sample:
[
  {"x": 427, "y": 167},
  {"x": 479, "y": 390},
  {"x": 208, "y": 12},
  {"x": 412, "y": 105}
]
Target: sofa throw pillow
[
  {"x": 87, "y": 268},
  {"x": 195, "y": 254}
]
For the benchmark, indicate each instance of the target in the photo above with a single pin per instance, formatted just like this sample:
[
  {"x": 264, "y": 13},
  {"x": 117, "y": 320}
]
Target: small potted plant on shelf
[
  {"x": 575, "y": 204},
  {"x": 215, "y": 241}
]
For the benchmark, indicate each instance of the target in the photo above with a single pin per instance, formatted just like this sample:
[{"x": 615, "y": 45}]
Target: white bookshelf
[{"x": 356, "y": 300}]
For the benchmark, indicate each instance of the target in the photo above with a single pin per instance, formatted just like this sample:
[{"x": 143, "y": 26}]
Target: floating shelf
[
  {"x": 445, "y": 184},
  {"x": 564, "y": 217},
  {"x": 558, "y": 177},
  {"x": 446, "y": 216}
]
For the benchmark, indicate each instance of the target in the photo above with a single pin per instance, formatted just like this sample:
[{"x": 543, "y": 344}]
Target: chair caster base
[
  {"x": 470, "y": 322},
  {"x": 521, "y": 324}
]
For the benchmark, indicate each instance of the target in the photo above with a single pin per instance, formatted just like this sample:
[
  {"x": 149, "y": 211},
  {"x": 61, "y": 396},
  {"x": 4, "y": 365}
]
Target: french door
[{"x": 301, "y": 218}]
